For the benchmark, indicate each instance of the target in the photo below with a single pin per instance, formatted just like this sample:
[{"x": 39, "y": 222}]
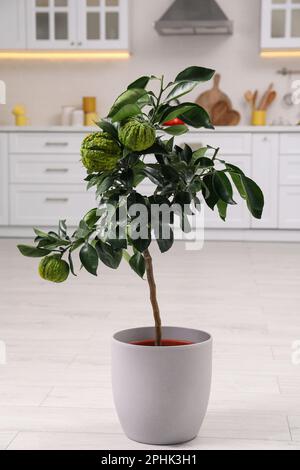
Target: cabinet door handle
[
  {"x": 57, "y": 199},
  {"x": 57, "y": 144},
  {"x": 56, "y": 170}
]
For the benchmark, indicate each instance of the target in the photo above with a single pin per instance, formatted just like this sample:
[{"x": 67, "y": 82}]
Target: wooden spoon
[
  {"x": 264, "y": 99},
  {"x": 270, "y": 99}
]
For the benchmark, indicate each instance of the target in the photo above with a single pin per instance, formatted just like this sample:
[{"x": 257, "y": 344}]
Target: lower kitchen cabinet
[
  {"x": 289, "y": 203},
  {"x": 265, "y": 172},
  {"x": 3, "y": 180},
  {"x": 45, "y": 205},
  {"x": 41, "y": 180}
]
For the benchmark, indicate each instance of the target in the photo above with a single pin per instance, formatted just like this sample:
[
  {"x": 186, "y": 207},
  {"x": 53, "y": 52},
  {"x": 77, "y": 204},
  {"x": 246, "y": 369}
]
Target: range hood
[{"x": 194, "y": 17}]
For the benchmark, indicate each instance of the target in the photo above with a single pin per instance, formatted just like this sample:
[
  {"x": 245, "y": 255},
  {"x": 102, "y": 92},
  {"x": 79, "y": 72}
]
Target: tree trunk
[{"x": 153, "y": 297}]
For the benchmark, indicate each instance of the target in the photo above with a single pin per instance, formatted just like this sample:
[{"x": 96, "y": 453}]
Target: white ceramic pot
[{"x": 161, "y": 393}]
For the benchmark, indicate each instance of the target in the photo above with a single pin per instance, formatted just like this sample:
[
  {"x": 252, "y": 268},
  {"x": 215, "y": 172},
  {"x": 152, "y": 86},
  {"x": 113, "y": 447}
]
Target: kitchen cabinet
[
  {"x": 265, "y": 172},
  {"x": 44, "y": 180},
  {"x": 77, "y": 24},
  {"x": 280, "y": 24},
  {"x": 12, "y": 24},
  {"x": 3, "y": 180}
]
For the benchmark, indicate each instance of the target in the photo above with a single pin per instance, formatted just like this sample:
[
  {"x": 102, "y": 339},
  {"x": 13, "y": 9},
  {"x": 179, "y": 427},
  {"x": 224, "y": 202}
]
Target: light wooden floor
[{"x": 55, "y": 388}]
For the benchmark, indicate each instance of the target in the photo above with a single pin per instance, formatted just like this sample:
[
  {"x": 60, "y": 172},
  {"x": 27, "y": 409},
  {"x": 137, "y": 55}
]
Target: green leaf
[
  {"x": 140, "y": 83},
  {"x": 176, "y": 130},
  {"x": 196, "y": 117},
  {"x": 126, "y": 112},
  {"x": 236, "y": 178},
  {"x": 40, "y": 234},
  {"x": 104, "y": 185},
  {"x": 222, "y": 187},
  {"x": 255, "y": 197},
  {"x": 210, "y": 197},
  {"x": 166, "y": 244},
  {"x": 89, "y": 258},
  {"x": 173, "y": 112},
  {"x": 32, "y": 252},
  {"x": 108, "y": 127},
  {"x": 222, "y": 208},
  {"x": 200, "y": 153},
  {"x": 62, "y": 228},
  {"x": 71, "y": 264},
  {"x": 141, "y": 244},
  {"x": 91, "y": 218},
  {"x": 154, "y": 175},
  {"x": 204, "y": 162},
  {"x": 181, "y": 89},
  {"x": 137, "y": 263},
  {"x": 195, "y": 74},
  {"x": 110, "y": 257},
  {"x": 128, "y": 97}
]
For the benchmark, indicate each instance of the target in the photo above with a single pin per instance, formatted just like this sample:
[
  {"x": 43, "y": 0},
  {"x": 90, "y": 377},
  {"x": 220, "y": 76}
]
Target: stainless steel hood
[{"x": 194, "y": 17}]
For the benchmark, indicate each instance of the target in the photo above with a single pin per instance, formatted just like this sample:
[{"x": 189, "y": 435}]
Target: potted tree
[{"x": 161, "y": 375}]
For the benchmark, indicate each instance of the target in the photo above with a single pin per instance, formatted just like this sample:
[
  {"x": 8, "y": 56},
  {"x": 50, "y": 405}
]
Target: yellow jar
[
  {"x": 21, "y": 121},
  {"x": 259, "y": 118}
]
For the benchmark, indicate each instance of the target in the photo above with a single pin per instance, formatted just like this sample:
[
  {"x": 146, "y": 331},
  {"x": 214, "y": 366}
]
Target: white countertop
[{"x": 229, "y": 129}]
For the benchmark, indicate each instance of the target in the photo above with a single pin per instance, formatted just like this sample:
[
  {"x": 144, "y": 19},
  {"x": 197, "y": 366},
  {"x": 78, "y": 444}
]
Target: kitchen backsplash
[{"x": 44, "y": 87}]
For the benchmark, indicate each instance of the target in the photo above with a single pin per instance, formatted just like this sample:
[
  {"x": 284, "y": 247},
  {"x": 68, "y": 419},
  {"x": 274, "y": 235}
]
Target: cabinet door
[
  {"x": 289, "y": 214},
  {"x": 51, "y": 24},
  {"x": 103, "y": 24},
  {"x": 12, "y": 24},
  {"x": 280, "y": 24},
  {"x": 3, "y": 180},
  {"x": 265, "y": 172}
]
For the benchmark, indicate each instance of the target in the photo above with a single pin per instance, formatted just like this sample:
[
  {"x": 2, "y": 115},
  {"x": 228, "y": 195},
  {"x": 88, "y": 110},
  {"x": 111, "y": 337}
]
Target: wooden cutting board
[
  {"x": 223, "y": 115},
  {"x": 211, "y": 97}
]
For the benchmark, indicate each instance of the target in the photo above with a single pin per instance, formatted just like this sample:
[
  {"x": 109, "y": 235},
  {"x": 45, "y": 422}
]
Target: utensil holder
[{"x": 259, "y": 118}]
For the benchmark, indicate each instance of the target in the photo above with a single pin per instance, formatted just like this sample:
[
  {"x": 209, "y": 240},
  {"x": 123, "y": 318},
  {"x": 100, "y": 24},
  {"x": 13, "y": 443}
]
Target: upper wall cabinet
[
  {"x": 280, "y": 24},
  {"x": 64, "y": 24},
  {"x": 12, "y": 24}
]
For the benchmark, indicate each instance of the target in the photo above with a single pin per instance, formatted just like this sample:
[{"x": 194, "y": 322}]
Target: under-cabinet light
[
  {"x": 50, "y": 55},
  {"x": 274, "y": 54}
]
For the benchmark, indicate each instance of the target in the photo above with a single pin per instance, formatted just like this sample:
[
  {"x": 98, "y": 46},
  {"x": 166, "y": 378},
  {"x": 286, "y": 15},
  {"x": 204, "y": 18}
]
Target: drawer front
[
  {"x": 290, "y": 144},
  {"x": 289, "y": 203},
  {"x": 290, "y": 169},
  {"x": 229, "y": 144},
  {"x": 55, "y": 143},
  {"x": 47, "y": 169},
  {"x": 46, "y": 205}
]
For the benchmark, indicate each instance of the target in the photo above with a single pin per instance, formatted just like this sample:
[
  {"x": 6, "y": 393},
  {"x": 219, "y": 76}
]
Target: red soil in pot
[{"x": 165, "y": 342}]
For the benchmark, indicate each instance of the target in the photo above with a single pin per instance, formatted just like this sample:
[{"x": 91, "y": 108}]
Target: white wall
[{"x": 44, "y": 86}]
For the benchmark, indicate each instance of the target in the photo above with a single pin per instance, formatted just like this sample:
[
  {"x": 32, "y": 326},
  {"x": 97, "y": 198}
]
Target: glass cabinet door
[
  {"x": 281, "y": 24},
  {"x": 52, "y": 24},
  {"x": 103, "y": 24}
]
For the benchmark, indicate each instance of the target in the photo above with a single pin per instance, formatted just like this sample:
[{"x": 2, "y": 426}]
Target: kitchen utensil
[
  {"x": 254, "y": 99},
  {"x": 264, "y": 99},
  {"x": 270, "y": 99},
  {"x": 211, "y": 97},
  {"x": 89, "y": 104},
  {"x": 249, "y": 97},
  {"x": 77, "y": 118},
  {"x": 223, "y": 115},
  {"x": 66, "y": 115}
]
